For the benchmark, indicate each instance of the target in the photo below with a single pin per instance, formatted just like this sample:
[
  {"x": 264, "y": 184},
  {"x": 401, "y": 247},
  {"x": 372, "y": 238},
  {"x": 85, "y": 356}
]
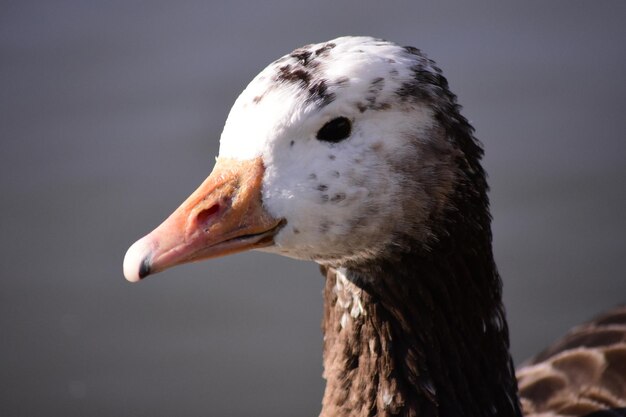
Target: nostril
[{"x": 205, "y": 216}]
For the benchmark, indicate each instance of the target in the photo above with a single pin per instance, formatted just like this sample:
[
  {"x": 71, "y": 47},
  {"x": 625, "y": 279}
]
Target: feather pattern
[
  {"x": 394, "y": 208},
  {"x": 583, "y": 372}
]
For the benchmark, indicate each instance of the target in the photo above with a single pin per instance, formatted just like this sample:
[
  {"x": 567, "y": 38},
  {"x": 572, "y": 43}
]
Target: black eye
[{"x": 336, "y": 130}]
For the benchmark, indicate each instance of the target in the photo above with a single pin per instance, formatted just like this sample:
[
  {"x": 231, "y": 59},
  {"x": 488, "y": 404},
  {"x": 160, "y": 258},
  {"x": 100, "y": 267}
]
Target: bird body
[{"x": 353, "y": 153}]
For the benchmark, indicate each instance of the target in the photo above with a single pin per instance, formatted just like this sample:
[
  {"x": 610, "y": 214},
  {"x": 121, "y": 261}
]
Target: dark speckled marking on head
[
  {"x": 291, "y": 143},
  {"x": 257, "y": 99},
  {"x": 332, "y": 157},
  {"x": 342, "y": 81},
  {"x": 429, "y": 85},
  {"x": 304, "y": 70},
  {"x": 338, "y": 197},
  {"x": 322, "y": 187},
  {"x": 302, "y": 55},
  {"x": 319, "y": 88},
  {"x": 324, "y": 50},
  {"x": 413, "y": 50},
  {"x": 381, "y": 106},
  {"x": 288, "y": 73},
  {"x": 425, "y": 85},
  {"x": 374, "y": 90},
  {"x": 312, "y": 176},
  {"x": 296, "y": 230},
  {"x": 335, "y": 174},
  {"x": 319, "y": 93},
  {"x": 376, "y": 86},
  {"x": 324, "y": 198}
]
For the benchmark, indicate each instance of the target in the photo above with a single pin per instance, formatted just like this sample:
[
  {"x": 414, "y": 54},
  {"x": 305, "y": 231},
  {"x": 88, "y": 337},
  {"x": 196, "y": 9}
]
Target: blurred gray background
[{"x": 111, "y": 114}]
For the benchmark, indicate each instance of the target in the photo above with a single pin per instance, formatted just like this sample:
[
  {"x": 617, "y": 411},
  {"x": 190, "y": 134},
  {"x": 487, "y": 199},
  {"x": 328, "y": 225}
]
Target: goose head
[
  {"x": 352, "y": 153},
  {"x": 333, "y": 153}
]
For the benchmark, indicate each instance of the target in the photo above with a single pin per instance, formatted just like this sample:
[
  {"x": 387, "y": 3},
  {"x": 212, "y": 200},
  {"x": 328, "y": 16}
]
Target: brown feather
[{"x": 583, "y": 372}]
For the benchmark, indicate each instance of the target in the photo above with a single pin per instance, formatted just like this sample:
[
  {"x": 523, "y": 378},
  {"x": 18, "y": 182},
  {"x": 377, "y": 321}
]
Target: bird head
[{"x": 330, "y": 154}]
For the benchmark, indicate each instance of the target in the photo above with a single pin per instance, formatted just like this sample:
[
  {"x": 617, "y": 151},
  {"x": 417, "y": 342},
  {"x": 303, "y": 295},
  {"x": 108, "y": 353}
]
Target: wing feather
[{"x": 582, "y": 373}]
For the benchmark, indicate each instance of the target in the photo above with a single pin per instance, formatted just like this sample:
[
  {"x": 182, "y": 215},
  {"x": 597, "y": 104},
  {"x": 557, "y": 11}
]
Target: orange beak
[{"x": 224, "y": 215}]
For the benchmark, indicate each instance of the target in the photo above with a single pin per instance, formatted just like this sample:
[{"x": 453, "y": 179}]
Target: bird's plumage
[
  {"x": 354, "y": 153},
  {"x": 583, "y": 372}
]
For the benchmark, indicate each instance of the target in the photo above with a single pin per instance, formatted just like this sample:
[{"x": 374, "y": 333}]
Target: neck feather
[
  {"x": 421, "y": 331},
  {"x": 423, "y": 343}
]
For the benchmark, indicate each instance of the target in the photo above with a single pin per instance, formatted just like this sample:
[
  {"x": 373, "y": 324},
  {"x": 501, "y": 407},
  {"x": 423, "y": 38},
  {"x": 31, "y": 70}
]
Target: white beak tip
[{"x": 137, "y": 261}]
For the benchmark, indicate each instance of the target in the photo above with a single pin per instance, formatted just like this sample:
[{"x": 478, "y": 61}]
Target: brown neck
[
  {"x": 363, "y": 377},
  {"x": 418, "y": 335}
]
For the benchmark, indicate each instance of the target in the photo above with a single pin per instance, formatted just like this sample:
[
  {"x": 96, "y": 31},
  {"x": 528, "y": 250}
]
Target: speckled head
[
  {"x": 352, "y": 137},
  {"x": 345, "y": 199}
]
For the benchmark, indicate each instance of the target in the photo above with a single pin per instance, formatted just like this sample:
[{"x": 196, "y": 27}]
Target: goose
[{"x": 353, "y": 153}]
